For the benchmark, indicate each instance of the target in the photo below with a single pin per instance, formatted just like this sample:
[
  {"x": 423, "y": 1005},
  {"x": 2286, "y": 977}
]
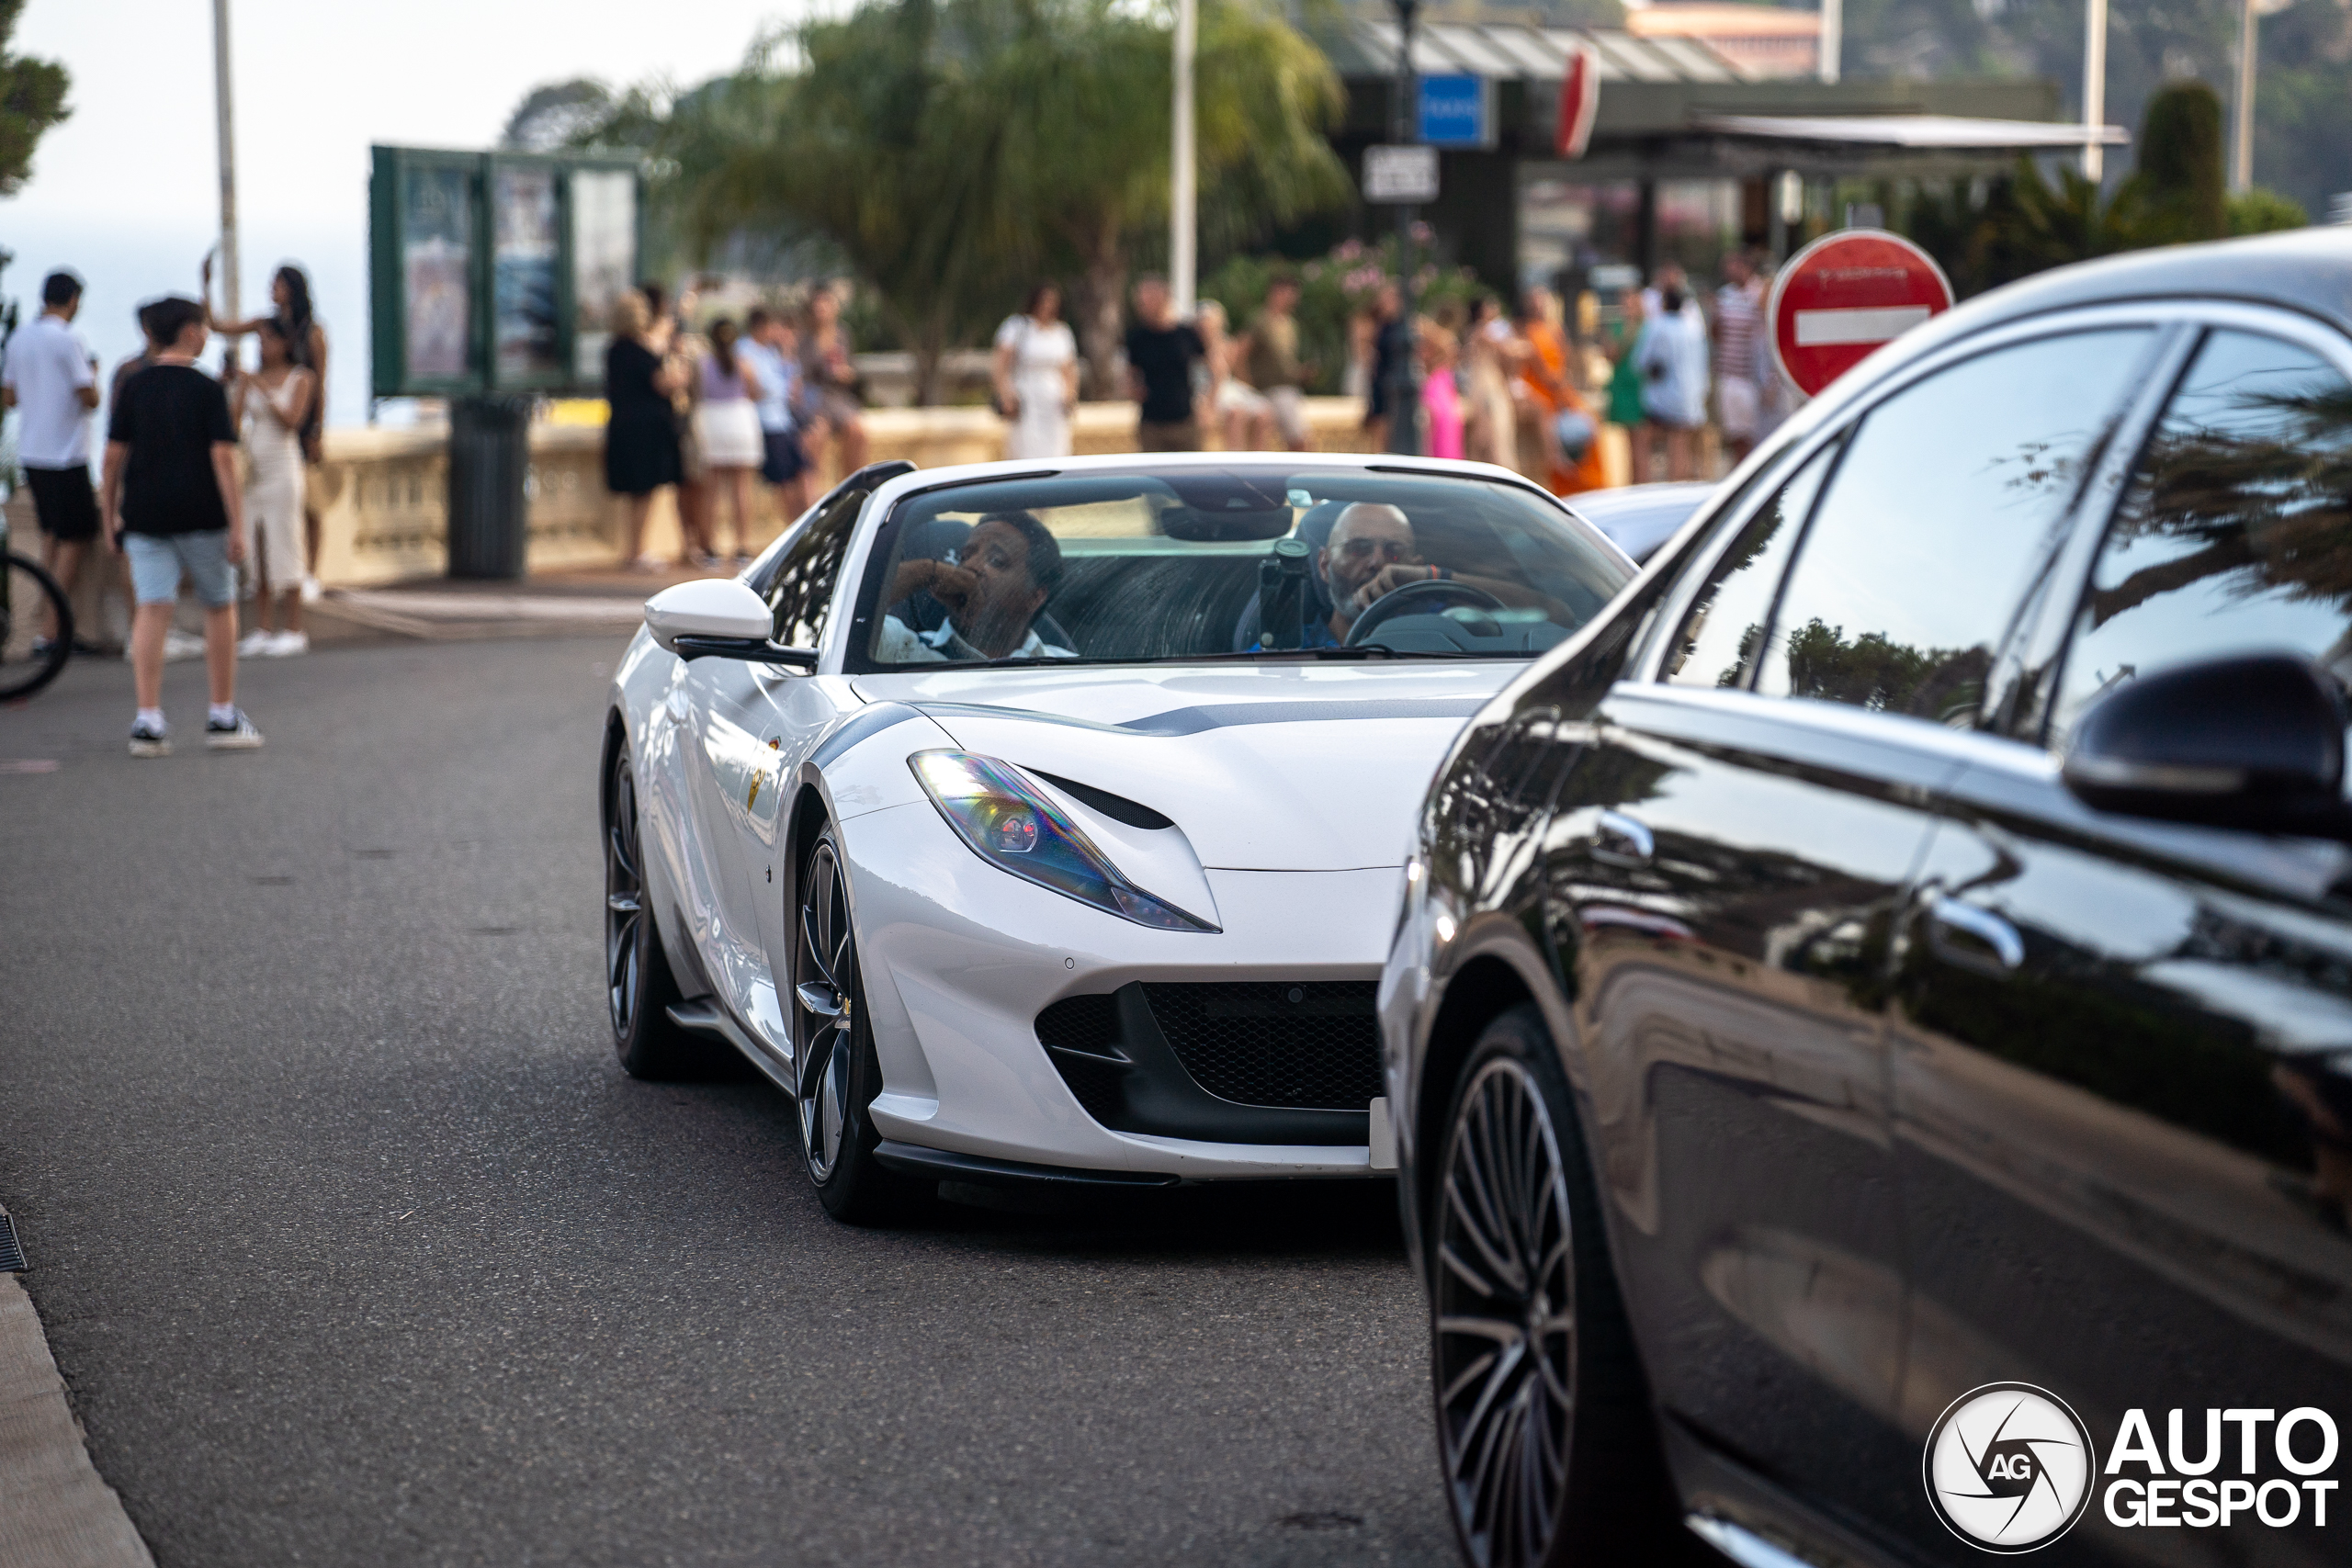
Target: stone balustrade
[{"x": 383, "y": 494}]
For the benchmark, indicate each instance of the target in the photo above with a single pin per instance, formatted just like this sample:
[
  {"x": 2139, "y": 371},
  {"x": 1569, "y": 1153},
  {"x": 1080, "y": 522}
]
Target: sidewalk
[{"x": 441, "y": 609}]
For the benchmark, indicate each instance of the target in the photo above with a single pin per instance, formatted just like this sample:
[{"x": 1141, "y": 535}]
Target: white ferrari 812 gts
[{"x": 1047, "y": 822}]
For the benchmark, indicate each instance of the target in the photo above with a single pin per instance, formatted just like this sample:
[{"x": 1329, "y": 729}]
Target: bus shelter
[{"x": 1691, "y": 154}]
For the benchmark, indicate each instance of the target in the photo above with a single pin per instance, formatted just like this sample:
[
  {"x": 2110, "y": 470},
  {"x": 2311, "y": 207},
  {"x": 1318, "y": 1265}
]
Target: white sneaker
[
  {"x": 285, "y": 645},
  {"x": 179, "y": 646},
  {"x": 257, "y": 644},
  {"x": 238, "y": 735},
  {"x": 312, "y": 591},
  {"x": 149, "y": 742}
]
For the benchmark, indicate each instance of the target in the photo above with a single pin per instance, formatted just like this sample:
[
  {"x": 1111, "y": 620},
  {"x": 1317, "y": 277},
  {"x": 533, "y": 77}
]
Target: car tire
[
  {"x": 1545, "y": 1429},
  {"x": 833, "y": 1057},
  {"x": 639, "y": 987}
]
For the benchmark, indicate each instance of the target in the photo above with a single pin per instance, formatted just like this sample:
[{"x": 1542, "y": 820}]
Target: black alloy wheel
[
  {"x": 834, "y": 1062},
  {"x": 639, "y": 987},
  {"x": 1544, "y": 1426}
]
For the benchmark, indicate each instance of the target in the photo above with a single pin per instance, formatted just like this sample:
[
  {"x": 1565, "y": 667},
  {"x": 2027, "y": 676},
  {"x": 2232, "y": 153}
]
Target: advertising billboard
[{"x": 493, "y": 272}]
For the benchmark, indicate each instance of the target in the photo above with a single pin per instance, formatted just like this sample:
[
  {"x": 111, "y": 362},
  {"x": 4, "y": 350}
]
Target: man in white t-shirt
[
  {"x": 993, "y": 588},
  {"x": 52, "y": 378}
]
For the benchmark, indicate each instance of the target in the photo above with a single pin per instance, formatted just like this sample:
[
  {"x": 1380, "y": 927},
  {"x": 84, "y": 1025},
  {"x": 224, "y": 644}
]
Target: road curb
[{"x": 55, "y": 1511}]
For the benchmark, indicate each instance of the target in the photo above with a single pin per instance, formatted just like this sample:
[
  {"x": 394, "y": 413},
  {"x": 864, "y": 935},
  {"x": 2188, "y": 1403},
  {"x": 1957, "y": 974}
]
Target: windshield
[{"x": 1236, "y": 563}]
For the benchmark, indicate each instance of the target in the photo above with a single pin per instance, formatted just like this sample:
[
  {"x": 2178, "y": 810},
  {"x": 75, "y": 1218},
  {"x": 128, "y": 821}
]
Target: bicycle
[{"x": 24, "y": 590}]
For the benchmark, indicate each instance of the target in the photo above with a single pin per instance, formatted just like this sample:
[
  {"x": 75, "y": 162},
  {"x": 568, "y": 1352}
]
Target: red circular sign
[{"x": 1843, "y": 295}]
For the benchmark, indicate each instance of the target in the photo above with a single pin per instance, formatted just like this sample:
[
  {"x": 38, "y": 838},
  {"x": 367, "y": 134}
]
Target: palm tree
[{"x": 953, "y": 148}]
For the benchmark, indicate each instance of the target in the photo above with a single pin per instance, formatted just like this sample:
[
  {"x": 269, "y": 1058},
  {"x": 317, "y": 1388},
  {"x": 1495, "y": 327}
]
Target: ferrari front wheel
[{"x": 834, "y": 1069}]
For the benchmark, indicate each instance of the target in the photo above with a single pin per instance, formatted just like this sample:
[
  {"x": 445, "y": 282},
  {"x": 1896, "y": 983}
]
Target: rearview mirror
[
  {"x": 717, "y": 617},
  {"x": 2253, "y": 743}
]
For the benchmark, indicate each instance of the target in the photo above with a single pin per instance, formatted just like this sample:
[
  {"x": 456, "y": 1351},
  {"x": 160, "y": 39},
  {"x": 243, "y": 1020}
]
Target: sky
[{"x": 126, "y": 192}]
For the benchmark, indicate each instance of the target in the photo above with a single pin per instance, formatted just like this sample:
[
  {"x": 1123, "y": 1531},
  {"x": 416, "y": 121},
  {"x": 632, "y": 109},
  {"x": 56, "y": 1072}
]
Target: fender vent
[{"x": 11, "y": 1257}]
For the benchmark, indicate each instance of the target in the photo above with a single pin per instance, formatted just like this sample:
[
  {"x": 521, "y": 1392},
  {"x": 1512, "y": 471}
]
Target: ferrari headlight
[{"x": 1009, "y": 823}]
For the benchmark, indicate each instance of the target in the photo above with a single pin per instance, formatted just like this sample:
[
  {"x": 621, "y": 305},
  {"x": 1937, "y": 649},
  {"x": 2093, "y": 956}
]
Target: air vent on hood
[{"x": 1117, "y": 808}]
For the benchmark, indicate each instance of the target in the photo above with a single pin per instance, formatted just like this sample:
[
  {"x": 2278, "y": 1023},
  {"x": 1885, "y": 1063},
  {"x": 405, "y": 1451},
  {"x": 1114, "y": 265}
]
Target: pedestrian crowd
[
  {"x": 706, "y": 412},
  {"x": 202, "y": 481}
]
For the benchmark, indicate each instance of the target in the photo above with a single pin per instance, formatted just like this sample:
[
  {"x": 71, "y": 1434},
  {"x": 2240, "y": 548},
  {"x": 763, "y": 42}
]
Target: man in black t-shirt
[
  {"x": 1161, "y": 352},
  {"x": 172, "y": 504}
]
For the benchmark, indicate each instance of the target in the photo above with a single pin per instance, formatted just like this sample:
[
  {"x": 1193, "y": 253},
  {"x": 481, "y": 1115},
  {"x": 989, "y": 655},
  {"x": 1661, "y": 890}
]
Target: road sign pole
[{"x": 1404, "y": 390}]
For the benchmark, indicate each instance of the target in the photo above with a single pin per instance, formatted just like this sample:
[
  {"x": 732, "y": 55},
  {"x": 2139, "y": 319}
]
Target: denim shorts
[{"x": 158, "y": 559}]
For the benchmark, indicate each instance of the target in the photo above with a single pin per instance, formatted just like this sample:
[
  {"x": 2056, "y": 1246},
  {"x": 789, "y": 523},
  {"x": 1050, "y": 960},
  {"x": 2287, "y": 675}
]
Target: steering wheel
[{"x": 1411, "y": 596}]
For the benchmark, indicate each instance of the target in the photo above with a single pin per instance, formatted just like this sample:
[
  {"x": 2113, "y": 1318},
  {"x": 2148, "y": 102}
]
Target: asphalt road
[{"x": 354, "y": 1244}]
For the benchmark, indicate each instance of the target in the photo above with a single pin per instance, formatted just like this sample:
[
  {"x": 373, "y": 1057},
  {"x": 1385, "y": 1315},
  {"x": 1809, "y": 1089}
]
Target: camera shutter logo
[{"x": 2010, "y": 1467}]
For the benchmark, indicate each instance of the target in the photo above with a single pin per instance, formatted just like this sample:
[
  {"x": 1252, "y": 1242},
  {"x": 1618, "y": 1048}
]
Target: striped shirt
[{"x": 1738, "y": 322}]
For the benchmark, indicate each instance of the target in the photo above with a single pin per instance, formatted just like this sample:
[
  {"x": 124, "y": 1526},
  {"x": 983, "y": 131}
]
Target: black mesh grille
[
  {"x": 1090, "y": 1024},
  {"x": 1082, "y": 1023},
  {"x": 1252, "y": 1043}
]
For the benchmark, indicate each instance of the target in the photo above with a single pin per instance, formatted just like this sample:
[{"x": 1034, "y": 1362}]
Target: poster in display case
[
  {"x": 493, "y": 272},
  {"x": 604, "y": 261}
]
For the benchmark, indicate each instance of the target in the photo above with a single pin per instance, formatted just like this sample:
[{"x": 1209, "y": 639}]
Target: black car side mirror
[{"x": 2253, "y": 743}]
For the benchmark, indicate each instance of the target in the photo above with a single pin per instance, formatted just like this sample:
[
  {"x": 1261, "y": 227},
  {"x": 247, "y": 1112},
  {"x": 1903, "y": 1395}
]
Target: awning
[{"x": 1925, "y": 132}]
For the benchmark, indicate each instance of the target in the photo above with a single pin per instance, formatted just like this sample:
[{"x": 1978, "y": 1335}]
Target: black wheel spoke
[
  {"x": 825, "y": 959},
  {"x": 1505, "y": 1328}
]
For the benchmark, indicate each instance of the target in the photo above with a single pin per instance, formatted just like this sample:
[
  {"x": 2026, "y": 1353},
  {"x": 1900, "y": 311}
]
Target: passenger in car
[{"x": 993, "y": 588}]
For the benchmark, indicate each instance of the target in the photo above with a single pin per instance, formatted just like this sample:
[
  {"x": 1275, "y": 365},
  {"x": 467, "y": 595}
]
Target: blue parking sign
[{"x": 1457, "y": 111}]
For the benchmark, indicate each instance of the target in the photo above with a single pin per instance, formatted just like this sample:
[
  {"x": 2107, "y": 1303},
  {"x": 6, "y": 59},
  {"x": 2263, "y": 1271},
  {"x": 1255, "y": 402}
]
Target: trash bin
[{"x": 489, "y": 457}]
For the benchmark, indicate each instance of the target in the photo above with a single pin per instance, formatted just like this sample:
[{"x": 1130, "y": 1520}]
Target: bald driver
[
  {"x": 1000, "y": 580},
  {"x": 1370, "y": 554}
]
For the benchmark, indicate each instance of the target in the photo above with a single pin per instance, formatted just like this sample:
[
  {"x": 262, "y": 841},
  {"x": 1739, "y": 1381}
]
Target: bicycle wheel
[{"x": 28, "y": 594}]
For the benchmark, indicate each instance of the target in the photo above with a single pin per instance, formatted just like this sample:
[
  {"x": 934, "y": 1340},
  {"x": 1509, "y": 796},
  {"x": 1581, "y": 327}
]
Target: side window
[
  {"x": 2235, "y": 532},
  {"x": 1933, "y": 529},
  {"x": 801, "y": 592},
  {"x": 1725, "y": 629}
]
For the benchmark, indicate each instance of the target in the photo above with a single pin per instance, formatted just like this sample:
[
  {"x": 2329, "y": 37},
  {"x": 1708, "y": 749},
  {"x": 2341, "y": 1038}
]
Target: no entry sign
[{"x": 1845, "y": 294}]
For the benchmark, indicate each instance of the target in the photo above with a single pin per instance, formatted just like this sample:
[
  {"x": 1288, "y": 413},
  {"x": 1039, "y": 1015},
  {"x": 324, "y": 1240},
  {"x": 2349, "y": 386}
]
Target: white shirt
[
  {"x": 48, "y": 367},
  {"x": 902, "y": 644}
]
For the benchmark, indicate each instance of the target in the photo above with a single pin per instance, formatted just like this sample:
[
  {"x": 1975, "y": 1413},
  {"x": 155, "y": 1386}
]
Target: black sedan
[{"x": 1869, "y": 1035}]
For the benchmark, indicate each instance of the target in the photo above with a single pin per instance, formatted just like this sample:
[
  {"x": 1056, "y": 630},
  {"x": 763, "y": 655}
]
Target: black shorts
[
  {"x": 784, "y": 462},
  {"x": 66, "y": 506}
]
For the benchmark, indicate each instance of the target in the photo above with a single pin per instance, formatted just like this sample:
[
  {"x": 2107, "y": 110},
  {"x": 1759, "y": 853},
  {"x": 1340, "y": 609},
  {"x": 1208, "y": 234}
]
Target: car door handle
[
  {"x": 1973, "y": 938},
  {"x": 1619, "y": 840}
]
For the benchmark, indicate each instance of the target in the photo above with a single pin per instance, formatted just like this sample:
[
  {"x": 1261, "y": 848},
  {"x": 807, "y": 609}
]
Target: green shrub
[{"x": 2260, "y": 212}]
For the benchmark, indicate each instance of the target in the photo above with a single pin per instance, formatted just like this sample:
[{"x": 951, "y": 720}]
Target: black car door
[
  {"x": 1729, "y": 859},
  {"x": 2123, "y": 1051}
]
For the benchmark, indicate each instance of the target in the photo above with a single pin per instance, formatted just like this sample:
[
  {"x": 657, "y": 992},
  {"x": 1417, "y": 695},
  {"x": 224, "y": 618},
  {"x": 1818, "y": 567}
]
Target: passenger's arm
[
  {"x": 232, "y": 501},
  {"x": 110, "y": 493}
]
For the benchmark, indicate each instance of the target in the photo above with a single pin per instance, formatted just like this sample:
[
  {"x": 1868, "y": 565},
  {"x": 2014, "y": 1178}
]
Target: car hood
[{"x": 1283, "y": 768}]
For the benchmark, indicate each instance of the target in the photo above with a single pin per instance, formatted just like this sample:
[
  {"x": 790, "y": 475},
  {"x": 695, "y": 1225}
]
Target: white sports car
[{"x": 1048, "y": 821}]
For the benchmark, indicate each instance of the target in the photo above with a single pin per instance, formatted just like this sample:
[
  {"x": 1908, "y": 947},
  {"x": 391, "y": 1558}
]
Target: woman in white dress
[
  {"x": 1036, "y": 377},
  {"x": 273, "y": 405}
]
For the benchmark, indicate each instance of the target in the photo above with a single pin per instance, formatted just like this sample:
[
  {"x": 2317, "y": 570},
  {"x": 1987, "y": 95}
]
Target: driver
[
  {"x": 993, "y": 590},
  {"x": 1369, "y": 556}
]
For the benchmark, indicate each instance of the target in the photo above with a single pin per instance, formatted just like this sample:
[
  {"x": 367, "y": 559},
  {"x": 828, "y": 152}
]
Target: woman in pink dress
[{"x": 1441, "y": 398}]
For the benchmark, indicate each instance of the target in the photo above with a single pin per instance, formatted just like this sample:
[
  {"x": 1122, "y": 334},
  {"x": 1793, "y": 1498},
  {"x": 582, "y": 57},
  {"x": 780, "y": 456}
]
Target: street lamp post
[
  {"x": 1403, "y": 393},
  {"x": 224, "y": 103},
  {"x": 2242, "y": 155},
  {"x": 1183, "y": 193},
  {"x": 2094, "y": 89}
]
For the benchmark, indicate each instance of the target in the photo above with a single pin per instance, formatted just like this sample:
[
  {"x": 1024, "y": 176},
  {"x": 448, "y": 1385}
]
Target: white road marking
[{"x": 1819, "y": 328}]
